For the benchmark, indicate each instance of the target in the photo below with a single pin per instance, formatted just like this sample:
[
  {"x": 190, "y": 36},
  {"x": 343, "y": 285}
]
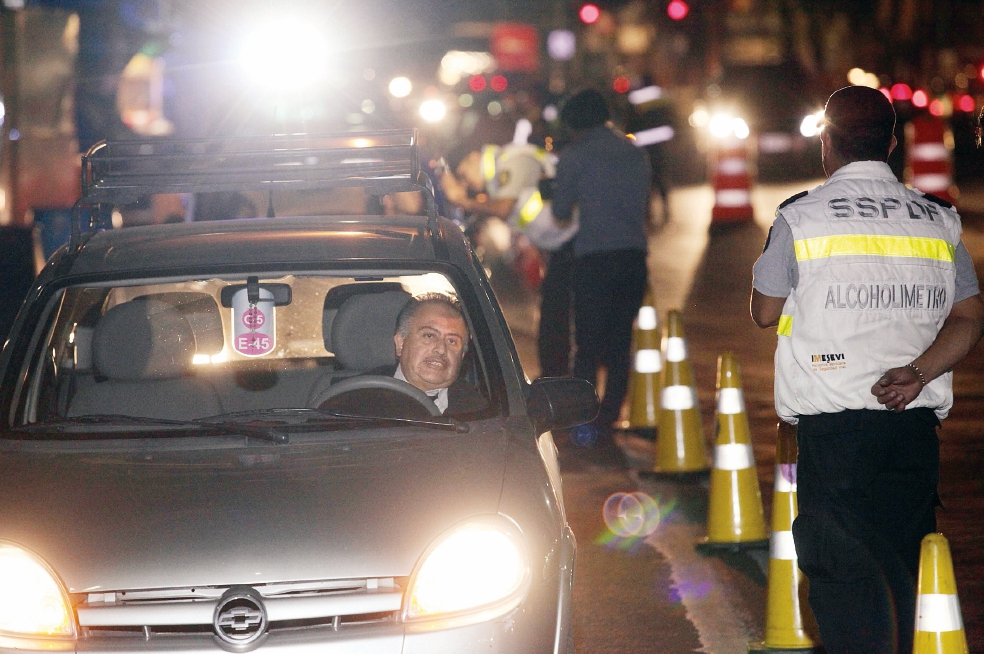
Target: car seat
[{"x": 143, "y": 351}]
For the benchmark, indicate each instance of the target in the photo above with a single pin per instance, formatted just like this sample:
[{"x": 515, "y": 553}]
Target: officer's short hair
[
  {"x": 458, "y": 153},
  {"x": 860, "y": 123},
  {"x": 585, "y": 109}
]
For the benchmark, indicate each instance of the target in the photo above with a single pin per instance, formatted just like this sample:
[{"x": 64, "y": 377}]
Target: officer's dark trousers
[
  {"x": 556, "y": 306},
  {"x": 866, "y": 487},
  {"x": 608, "y": 289}
]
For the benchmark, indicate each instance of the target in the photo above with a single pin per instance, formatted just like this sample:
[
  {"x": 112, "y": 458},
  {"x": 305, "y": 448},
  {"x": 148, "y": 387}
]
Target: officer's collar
[{"x": 863, "y": 170}]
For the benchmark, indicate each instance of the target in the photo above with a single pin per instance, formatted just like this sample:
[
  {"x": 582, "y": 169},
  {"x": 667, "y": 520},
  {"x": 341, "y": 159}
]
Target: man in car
[{"x": 431, "y": 341}]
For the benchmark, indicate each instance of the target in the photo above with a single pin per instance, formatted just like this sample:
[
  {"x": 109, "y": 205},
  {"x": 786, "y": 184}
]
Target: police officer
[
  {"x": 875, "y": 299},
  {"x": 507, "y": 180}
]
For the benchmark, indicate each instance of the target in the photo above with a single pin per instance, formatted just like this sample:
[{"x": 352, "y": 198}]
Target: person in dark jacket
[{"x": 604, "y": 175}]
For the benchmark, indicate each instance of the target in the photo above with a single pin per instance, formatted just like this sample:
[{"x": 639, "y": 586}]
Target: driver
[{"x": 431, "y": 341}]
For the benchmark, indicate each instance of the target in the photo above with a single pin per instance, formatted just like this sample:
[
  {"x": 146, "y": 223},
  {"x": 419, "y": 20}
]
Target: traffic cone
[
  {"x": 789, "y": 623},
  {"x": 680, "y": 445},
  {"x": 732, "y": 181},
  {"x": 929, "y": 157},
  {"x": 735, "y": 519},
  {"x": 939, "y": 624},
  {"x": 644, "y": 382}
]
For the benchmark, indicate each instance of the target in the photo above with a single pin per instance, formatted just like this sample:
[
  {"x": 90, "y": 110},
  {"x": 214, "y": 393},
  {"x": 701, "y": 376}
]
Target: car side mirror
[{"x": 561, "y": 403}]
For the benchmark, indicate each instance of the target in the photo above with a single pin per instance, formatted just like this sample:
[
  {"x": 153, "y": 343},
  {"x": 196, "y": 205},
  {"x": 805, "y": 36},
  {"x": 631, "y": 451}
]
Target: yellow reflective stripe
[
  {"x": 531, "y": 209},
  {"x": 488, "y": 162},
  {"x": 785, "y": 325},
  {"x": 876, "y": 245}
]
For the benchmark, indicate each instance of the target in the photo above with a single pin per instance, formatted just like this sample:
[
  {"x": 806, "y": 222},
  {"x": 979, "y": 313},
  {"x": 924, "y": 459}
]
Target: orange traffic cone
[
  {"x": 680, "y": 447},
  {"x": 939, "y": 624},
  {"x": 732, "y": 181},
  {"x": 644, "y": 383},
  {"x": 929, "y": 157},
  {"x": 735, "y": 519},
  {"x": 789, "y": 623}
]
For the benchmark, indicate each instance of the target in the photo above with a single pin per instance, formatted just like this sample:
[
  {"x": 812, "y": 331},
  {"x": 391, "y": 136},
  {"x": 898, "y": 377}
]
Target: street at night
[
  {"x": 312, "y": 316},
  {"x": 658, "y": 593}
]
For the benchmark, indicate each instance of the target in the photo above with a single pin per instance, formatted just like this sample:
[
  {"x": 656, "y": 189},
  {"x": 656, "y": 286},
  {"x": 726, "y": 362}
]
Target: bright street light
[{"x": 287, "y": 54}]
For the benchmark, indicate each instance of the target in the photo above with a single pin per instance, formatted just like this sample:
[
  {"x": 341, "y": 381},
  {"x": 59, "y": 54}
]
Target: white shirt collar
[
  {"x": 440, "y": 396},
  {"x": 864, "y": 170}
]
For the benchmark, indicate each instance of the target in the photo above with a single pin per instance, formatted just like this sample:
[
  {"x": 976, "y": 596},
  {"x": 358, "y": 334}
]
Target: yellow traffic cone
[
  {"x": 680, "y": 447},
  {"x": 789, "y": 623},
  {"x": 939, "y": 624},
  {"x": 644, "y": 384},
  {"x": 735, "y": 518}
]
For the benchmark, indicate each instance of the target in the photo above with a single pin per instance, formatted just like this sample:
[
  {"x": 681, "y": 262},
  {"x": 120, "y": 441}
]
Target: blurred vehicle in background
[{"x": 775, "y": 109}]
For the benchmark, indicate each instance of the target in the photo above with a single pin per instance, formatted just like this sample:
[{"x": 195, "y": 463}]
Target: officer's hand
[
  {"x": 454, "y": 190},
  {"x": 897, "y": 388}
]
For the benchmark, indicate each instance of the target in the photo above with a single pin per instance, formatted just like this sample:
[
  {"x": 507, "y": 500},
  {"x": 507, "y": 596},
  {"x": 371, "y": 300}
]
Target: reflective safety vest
[
  {"x": 876, "y": 281},
  {"x": 535, "y": 219},
  {"x": 493, "y": 156}
]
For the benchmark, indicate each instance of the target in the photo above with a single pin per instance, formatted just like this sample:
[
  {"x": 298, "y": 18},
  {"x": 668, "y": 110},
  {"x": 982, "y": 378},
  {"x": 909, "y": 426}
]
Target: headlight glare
[
  {"x": 479, "y": 567},
  {"x": 32, "y": 601}
]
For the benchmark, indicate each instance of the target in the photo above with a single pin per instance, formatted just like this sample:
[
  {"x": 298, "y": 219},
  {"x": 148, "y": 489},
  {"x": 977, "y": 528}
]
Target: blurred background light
[
  {"x": 400, "y": 87},
  {"x": 561, "y": 45},
  {"x": 498, "y": 83},
  {"x": 677, "y": 10},
  {"x": 621, "y": 84},
  {"x": 433, "y": 110},
  {"x": 901, "y": 92},
  {"x": 920, "y": 99},
  {"x": 589, "y": 13}
]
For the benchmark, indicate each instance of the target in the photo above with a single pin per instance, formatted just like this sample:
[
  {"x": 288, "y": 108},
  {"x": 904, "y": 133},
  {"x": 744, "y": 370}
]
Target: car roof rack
[{"x": 382, "y": 162}]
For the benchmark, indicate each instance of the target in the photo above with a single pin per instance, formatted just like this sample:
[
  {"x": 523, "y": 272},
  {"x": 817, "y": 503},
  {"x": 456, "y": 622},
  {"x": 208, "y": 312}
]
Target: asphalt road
[{"x": 657, "y": 594}]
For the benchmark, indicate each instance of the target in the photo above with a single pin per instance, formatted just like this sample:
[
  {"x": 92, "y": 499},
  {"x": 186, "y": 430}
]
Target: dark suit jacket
[{"x": 462, "y": 396}]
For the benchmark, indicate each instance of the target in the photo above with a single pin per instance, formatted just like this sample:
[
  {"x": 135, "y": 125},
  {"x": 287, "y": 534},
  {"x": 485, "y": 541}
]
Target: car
[
  {"x": 195, "y": 454},
  {"x": 778, "y": 107}
]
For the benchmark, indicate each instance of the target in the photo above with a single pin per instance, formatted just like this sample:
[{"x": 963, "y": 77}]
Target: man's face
[
  {"x": 470, "y": 171},
  {"x": 431, "y": 353}
]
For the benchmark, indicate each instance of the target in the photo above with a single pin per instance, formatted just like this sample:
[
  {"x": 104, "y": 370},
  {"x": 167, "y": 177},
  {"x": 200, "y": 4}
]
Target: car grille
[{"x": 328, "y": 605}]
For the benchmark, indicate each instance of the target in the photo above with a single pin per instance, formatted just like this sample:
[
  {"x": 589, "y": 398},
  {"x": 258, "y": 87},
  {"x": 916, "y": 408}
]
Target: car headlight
[
  {"x": 32, "y": 601},
  {"x": 476, "y": 572}
]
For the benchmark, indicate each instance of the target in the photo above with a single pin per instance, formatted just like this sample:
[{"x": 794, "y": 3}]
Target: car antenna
[{"x": 270, "y": 211}]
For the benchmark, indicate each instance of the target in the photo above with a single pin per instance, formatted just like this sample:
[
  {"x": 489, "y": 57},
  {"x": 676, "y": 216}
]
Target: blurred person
[
  {"x": 875, "y": 299},
  {"x": 606, "y": 178},
  {"x": 507, "y": 183}
]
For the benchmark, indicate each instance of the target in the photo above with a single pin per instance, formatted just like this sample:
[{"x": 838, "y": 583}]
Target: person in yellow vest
[
  {"x": 505, "y": 182},
  {"x": 875, "y": 299}
]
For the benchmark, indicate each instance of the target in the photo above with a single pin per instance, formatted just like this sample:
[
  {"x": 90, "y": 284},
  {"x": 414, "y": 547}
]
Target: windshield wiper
[
  {"x": 122, "y": 422},
  {"x": 309, "y": 418}
]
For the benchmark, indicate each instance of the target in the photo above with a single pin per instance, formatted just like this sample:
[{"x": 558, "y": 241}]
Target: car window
[{"x": 192, "y": 349}]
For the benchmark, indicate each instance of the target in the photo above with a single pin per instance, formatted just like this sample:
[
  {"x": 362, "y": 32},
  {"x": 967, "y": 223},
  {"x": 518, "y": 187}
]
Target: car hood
[{"x": 158, "y": 514}]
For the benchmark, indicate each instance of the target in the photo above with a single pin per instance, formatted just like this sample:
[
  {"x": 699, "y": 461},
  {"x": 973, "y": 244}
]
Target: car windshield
[{"x": 260, "y": 351}]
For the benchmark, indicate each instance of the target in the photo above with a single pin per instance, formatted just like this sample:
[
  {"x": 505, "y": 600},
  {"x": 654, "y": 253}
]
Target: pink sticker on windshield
[{"x": 254, "y": 327}]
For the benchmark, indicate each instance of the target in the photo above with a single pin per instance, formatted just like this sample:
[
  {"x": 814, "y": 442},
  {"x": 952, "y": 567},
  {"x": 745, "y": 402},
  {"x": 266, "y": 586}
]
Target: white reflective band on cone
[
  {"x": 647, "y": 318},
  {"x": 648, "y": 361},
  {"x": 935, "y": 612},
  {"x": 731, "y": 401},
  {"x": 929, "y": 152},
  {"x": 930, "y": 183},
  {"x": 784, "y": 485},
  {"x": 676, "y": 349},
  {"x": 732, "y": 166},
  {"x": 732, "y": 198},
  {"x": 733, "y": 456},
  {"x": 781, "y": 546},
  {"x": 677, "y": 398}
]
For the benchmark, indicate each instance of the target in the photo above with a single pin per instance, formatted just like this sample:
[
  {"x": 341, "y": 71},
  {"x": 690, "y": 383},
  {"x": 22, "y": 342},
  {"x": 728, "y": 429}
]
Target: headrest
[
  {"x": 202, "y": 313},
  {"x": 338, "y": 294},
  {"x": 143, "y": 339},
  {"x": 362, "y": 331}
]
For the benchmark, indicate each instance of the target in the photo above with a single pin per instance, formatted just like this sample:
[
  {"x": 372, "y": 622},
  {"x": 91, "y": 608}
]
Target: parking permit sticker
[{"x": 254, "y": 326}]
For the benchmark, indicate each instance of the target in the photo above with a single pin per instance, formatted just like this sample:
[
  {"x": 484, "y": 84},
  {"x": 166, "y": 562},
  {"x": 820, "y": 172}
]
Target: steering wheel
[{"x": 376, "y": 382}]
